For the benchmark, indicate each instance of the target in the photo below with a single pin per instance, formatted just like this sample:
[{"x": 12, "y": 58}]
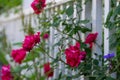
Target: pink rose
[
  {"x": 73, "y": 55},
  {"x": 48, "y": 70},
  {"x": 6, "y": 73},
  {"x": 18, "y": 55},
  {"x": 38, "y": 5},
  {"x": 91, "y": 38},
  {"x": 46, "y": 36}
]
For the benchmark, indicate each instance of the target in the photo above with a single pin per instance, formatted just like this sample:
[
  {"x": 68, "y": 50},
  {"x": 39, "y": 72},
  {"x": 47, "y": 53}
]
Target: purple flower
[{"x": 108, "y": 56}]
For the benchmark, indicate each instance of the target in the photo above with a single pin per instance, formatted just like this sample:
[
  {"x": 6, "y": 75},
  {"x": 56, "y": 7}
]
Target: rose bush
[{"x": 35, "y": 53}]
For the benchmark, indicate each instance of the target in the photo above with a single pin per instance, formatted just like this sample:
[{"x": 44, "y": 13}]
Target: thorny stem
[
  {"x": 35, "y": 66},
  {"x": 66, "y": 34},
  {"x": 58, "y": 59},
  {"x": 53, "y": 57},
  {"x": 98, "y": 45},
  {"x": 79, "y": 36}
]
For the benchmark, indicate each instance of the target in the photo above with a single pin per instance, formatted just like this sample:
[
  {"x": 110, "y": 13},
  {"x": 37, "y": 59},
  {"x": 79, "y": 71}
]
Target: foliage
[
  {"x": 6, "y": 5},
  {"x": 4, "y": 47}
]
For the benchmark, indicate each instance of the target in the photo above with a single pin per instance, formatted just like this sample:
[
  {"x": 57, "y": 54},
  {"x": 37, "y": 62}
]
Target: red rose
[
  {"x": 73, "y": 55},
  {"x": 46, "y": 36},
  {"x": 38, "y": 6},
  {"x": 28, "y": 43},
  {"x": 91, "y": 38},
  {"x": 18, "y": 55},
  {"x": 82, "y": 55},
  {"x": 48, "y": 70},
  {"x": 6, "y": 73},
  {"x": 37, "y": 37}
]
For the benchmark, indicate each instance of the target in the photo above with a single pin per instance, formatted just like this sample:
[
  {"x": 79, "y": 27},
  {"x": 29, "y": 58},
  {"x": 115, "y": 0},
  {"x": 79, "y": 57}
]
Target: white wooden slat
[
  {"x": 106, "y": 30},
  {"x": 56, "y": 39},
  {"x": 62, "y": 66},
  {"x": 88, "y": 13},
  {"x": 83, "y": 18},
  {"x": 47, "y": 42},
  {"x": 51, "y": 41},
  {"x": 97, "y": 24}
]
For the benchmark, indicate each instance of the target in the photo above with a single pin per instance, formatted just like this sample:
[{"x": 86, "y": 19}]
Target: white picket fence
[{"x": 93, "y": 11}]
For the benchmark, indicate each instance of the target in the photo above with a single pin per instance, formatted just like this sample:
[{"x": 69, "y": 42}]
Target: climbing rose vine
[{"x": 69, "y": 49}]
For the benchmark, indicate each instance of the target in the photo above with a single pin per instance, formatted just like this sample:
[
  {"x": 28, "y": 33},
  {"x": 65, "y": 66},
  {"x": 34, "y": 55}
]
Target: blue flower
[{"x": 108, "y": 56}]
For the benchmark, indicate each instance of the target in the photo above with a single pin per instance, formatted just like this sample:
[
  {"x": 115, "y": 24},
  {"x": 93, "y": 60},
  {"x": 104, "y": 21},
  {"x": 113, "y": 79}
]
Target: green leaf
[
  {"x": 117, "y": 10},
  {"x": 84, "y": 21},
  {"x": 95, "y": 62},
  {"x": 42, "y": 78},
  {"x": 60, "y": 75},
  {"x": 31, "y": 56},
  {"x": 70, "y": 10},
  {"x": 113, "y": 3},
  {"x": 84, "y": 30},
  {"x": 68, "y": 78},
  {"x": 110, "y": 78},
  {"x": 109, "y": 17},
  {"x": 2, "y": 58},
  {"x": 92, "y": 78},
  {"x": 88, "y": 66},
  {"x": 17, "y": 69}
]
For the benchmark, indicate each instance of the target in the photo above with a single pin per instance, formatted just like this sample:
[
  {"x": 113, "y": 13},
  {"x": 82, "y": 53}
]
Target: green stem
[
  {"x": 66, "y": 34},
  {"x": 35, "y": 67}
]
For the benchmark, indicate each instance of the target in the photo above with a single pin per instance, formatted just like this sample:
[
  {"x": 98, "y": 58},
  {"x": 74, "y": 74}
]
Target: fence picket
[{"x": 97, "y": 25}]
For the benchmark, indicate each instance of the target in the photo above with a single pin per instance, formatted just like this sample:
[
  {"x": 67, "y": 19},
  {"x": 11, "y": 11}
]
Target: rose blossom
[
  {"x": 37, "y": 37},
  {"x": 38, "y": 5},
  {"x": 73, "y": 55},
  {"x": 48, "y": 70},
  {"x": 91, "y": 38},
  {"x": 18, "y": 55},
  {"x": 82, "y": 55},
  {"x": 30, "y": 41},
  {"x": 46, "y": 36},
  {"x": 6, "y": 73}
]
